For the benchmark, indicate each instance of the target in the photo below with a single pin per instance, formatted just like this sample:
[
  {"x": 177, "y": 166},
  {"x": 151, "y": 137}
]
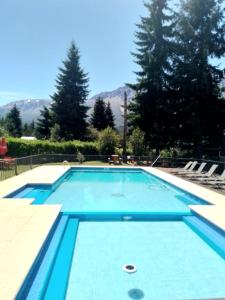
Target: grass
[
  {"x": 10, "y": 172},
  {"x": 86, "y": 163}
]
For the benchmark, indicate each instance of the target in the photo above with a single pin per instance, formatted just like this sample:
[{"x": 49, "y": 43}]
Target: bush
[
  {"x": 55, "y": 133},
  {"x": 108, "y": 141},
  {"x": 175, "y": 153},
  {"x": 19, "y": 148},
  {"x": 80, "y": 157},
  {"x": 3, "y": 132},
  {"x": 137, "y": 142}
]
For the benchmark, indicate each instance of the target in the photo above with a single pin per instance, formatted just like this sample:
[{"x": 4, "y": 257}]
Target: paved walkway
[
  {"x": 214, "y": 213},
  {"x": 23, "y": 228}
]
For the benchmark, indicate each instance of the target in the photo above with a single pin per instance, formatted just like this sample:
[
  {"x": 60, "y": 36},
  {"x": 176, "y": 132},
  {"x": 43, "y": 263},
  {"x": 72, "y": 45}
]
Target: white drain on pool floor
[{"x": 129, "y": 268}]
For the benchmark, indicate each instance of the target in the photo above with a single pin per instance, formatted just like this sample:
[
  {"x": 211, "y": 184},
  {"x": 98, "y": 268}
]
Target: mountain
[
  {"x": 116, "y": 99},
  {"x": 30, "y": 108}
]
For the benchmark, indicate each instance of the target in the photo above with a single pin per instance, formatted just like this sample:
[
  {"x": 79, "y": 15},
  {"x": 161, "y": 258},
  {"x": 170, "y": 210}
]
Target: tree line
[{"x": 178, "y": 98}]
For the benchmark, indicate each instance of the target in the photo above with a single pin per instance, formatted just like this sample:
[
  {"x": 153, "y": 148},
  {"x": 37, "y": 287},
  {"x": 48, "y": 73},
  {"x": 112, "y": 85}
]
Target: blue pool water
[
  {"x": 172, "y": 263},
  {"x": 177, "y": 257},
  {"x": 84, "y": 191}
]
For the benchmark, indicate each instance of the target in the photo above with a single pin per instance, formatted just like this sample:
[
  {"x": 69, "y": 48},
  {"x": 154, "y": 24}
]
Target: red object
[{"x": 3, "y": 147}]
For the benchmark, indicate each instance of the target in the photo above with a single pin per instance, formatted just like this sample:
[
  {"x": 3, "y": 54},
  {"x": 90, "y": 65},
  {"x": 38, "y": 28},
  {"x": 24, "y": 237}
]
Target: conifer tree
[
  {"x": 25, "y": 129},
  {"x": 200, "y": 36},
  {"x": 98, "y": 117},
  {"x": 44, "y": 124},
  {"x": 69, "y": 110},
  {"x": 13, "y": 122},
  {"x": 154, "y": 52},
  {"x": 109, "y": 116}
]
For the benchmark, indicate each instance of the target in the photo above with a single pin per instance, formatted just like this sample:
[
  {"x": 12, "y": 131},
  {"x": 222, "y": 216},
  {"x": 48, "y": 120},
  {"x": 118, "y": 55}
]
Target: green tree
[
  {"x": 25, "y": 129},
  {"x": 31, "y": 128},
  {"x": 55, "y": 133},
  {"x": 200, "y": 108},
  {"x": 108, "y": 141},
  {"x": 155, "y": 47},
  {"x": 137, "y": 142},
  {"x": 109, "y": 116},
  {"x": 3, "y": 132},
  {"x": 44, "y": 124},
  {"x": 92, "y": 134},
  {"x": 69, "y": 110},
  {"x": 98, "y": 117},
  {"x": 28, "y": 129},
  {"x": 13, "y": 122}
]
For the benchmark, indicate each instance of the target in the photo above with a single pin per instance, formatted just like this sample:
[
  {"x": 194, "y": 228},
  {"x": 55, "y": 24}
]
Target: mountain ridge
[{"x": 30, "y": 108}]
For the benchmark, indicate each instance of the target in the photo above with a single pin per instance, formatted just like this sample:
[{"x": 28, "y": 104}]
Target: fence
[{"x": 12, "y": 167}]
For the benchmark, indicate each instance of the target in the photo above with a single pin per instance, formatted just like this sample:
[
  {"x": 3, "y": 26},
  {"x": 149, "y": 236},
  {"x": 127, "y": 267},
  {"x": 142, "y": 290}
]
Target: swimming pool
[
  {"x": 113, "y": 217},
  {"x": 94, "y": 190},
  {"x": 173, "y": 262}
]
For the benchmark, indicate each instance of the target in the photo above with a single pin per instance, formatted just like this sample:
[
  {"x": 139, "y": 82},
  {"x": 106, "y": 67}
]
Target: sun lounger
[
  {"x": 186, "y": 167},
  {"x": 198, "y": 172},
  {"x": 215, "y": 181},
  {"x": 207, "y": 175},
  {"x": 193, "y": 165}
]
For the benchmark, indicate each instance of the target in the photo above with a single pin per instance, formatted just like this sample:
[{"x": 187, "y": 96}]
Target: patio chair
[
  {"x": 197, "y": 172},
  {"x": 207, "y": 175},
  {"x": 216, "y": 181},
  {"x": 183, "y": 169},
  {"x": 189, "y": 170},
  {"x": 115, "y": 160}
]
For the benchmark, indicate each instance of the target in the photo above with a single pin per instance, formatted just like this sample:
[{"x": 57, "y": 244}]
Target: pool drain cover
[
  {"x": 129, "y": 268},
  {"x": 118, "y": 195}
]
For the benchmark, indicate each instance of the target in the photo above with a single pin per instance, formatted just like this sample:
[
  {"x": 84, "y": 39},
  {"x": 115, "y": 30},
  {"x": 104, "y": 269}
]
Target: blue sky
[{"x": 35, "y": 35}]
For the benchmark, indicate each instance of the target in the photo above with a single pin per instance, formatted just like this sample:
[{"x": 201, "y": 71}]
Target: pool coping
[{"x": 47, "y": 174}]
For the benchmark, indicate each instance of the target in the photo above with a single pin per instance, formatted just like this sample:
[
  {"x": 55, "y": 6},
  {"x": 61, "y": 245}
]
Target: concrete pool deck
[{"x": 24, "y": 227}]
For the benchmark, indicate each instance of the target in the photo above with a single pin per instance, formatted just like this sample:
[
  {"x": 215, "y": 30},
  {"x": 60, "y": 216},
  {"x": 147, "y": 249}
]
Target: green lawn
[{"x": 7, "y": 173}]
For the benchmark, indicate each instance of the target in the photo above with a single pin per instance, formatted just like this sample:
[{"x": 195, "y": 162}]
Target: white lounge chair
[
  {"x": 189, "y": 170},
  {"x": 207, "y": 175},
  {"x": 184, "y": 168},
  {"x": 218, "y": 180},
  {"x": 198, "y": 172}
]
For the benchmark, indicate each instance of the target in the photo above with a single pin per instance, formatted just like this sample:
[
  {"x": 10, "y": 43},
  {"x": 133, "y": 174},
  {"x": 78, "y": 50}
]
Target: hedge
[{"x": 20, "y": 148}]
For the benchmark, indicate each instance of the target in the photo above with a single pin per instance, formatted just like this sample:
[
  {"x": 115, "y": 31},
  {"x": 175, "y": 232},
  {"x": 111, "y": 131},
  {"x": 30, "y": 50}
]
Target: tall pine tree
[
  {"x": 154, "y": 53},
  {"x": 44, "y": 124},
  {"x": 200, "y": 36},
  {"x": 98, "y": 117},
  {"x": 69, "y": 110},
  {"x": 109, "y": 116},
  {"x": 13, "y": 122}
]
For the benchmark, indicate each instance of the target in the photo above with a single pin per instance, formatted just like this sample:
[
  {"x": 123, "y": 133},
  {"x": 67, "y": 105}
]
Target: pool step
[
  {"x": 212, "y": 235},
  {"x": 44, "y": 266},
  {"x": 58, "y": 280}
]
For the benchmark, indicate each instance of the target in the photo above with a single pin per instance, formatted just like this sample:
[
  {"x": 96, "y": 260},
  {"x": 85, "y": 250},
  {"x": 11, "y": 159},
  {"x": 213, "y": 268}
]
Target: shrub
[
  {"x": 3, "y": 132},
  {"x": 55, "y": 133},
  {"x": 19, "y": 148},
  {"x": 137, "y": 143},
  {"x": 108, "y": 141},
  {"x": 80, "y": 157}
]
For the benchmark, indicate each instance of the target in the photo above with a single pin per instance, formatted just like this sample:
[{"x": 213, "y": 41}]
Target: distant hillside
[
  {"x": 116, "y": 99},
  {"x": 30, "y": 108}
]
